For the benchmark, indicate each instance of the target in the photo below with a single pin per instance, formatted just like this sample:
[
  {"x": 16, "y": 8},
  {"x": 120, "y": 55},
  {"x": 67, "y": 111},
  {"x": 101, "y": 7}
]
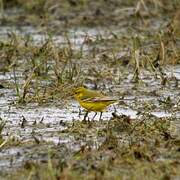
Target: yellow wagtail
[{"x": 92, "y": 100}]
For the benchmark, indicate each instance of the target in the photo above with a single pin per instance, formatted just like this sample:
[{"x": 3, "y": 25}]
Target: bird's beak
[{"x": 71, "y": 94}]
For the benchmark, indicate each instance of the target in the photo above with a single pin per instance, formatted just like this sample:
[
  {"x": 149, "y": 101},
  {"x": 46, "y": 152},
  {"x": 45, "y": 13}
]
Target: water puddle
[
  {"x": 161, "y": 114},
  {"x": 43, "y": 124},
  {"x": 77, "y": 37}
]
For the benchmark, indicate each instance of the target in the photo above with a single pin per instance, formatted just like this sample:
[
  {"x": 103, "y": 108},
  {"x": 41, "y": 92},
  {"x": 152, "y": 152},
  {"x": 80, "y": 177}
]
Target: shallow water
[{"x": 43, "y": 123}]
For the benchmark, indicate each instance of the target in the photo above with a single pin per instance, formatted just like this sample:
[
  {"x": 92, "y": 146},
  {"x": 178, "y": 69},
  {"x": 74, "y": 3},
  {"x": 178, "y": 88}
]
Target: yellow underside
[{"x": 95, "y": 106}]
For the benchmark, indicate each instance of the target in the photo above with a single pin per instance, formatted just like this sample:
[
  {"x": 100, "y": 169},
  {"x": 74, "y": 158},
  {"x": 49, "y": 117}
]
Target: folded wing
[{"x": 100, "y": 99}]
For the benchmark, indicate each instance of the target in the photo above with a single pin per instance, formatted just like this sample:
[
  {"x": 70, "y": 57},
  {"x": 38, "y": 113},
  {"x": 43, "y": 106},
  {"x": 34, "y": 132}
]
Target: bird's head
[{"x": 79, "y": 92}]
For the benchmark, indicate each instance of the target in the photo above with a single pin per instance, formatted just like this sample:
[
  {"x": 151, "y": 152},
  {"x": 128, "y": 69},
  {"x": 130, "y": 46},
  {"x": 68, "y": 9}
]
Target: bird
[{"x": 92, "y": 100}]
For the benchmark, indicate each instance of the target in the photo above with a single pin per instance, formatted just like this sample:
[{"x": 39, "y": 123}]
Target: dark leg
[
  {"x": 100, "y": 117},
  {"x": 94, "y": 116},
  {"x": 79, "y": 112},
  {"x": 114, "y": 108},
  {"x": 85, "y": 116}
]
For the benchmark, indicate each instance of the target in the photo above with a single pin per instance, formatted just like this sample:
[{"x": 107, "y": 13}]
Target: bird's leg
[
  {"x": 79, "y": 112},
  {"x": 94, "y": 116},
  {"x": 100, "y": 117},
  {"x": 115, "y": 110},
  {"x": 85, "y": 116}
]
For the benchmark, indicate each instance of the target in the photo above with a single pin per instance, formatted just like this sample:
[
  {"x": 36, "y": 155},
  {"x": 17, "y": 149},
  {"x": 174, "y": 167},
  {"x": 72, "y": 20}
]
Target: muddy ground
[{"x": 129, "y": 50}]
